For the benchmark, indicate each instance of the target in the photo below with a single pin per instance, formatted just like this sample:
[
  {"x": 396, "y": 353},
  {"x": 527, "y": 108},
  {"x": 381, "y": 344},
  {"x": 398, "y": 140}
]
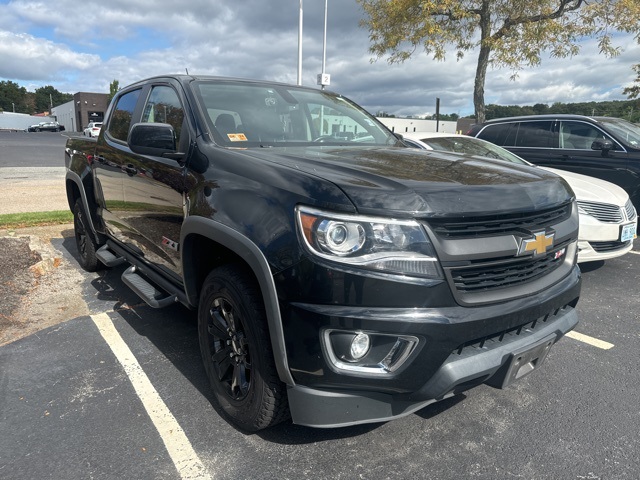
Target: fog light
[
  {"x": 360, "y": 346},
  {"x": 368, "y": 353}
]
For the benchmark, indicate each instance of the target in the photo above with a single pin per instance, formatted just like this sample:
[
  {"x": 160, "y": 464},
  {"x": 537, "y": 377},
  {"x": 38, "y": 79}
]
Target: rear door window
[
  {"x": 499, "y": 134},
  {"x": 535, "y": 135}
]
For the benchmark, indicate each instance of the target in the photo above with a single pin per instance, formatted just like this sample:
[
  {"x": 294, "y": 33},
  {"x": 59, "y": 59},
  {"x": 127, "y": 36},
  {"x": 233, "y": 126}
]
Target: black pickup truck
[{"x": 339, "y": 277}]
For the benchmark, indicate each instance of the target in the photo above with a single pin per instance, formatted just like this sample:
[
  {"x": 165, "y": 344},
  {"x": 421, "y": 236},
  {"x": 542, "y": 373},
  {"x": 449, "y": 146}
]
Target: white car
[
  {"x": 608, "y": 220},
  {"x": 93, "y": 129}
]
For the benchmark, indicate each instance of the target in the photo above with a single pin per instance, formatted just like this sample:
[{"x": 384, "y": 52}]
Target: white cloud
[
  {"x": 76, "y": 48},
  {"x": 25, "y": 57}
]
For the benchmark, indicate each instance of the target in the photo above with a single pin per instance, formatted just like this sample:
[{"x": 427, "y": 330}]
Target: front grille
[
  {"x": 484, "y": 226},
  {"x": 630, "y": 210},
  {"x": 605, "y": 247},
  {"x": 506, "y": 273},
  {"x": 602, "y": 211}
]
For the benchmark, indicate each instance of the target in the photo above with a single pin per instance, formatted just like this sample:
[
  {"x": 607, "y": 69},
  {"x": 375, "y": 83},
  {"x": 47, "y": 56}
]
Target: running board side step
[
  {"x": 147, "y": 292},
  {"x": 156, "y": 290},
  {"x": 110, "y": 259}
]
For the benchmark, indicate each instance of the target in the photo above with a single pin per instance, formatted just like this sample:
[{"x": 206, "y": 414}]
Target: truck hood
[{"x": 410, "y": 182}]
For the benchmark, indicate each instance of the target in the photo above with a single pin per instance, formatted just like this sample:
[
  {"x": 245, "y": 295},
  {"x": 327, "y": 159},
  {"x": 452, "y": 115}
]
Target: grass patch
[{"x": 34, "y": 219}]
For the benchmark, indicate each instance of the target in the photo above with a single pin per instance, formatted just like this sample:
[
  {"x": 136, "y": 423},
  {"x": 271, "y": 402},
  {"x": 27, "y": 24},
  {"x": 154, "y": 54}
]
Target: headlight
[{"x": 381, "y": 244}]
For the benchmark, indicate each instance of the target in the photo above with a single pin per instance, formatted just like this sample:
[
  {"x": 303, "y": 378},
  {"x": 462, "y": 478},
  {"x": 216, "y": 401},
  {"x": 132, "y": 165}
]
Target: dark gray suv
[{"x": 602, "y": 147}]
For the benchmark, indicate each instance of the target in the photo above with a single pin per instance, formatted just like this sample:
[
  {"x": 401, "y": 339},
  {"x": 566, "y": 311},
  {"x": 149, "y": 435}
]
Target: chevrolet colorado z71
[{"x": 339, "y": 277}]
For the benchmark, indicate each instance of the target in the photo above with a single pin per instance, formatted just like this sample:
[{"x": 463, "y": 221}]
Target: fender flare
[
  {"x": 75, "y": 178},
  {"x": 255, "y": 259}
]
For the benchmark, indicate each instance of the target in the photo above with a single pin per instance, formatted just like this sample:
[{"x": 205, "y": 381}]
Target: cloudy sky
[{"x": 83, "y": 46}]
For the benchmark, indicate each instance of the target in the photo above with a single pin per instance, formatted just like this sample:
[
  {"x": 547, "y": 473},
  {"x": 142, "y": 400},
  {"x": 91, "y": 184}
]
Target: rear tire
[
  {"x": 85, "y": 243},
  {"x": 236, "y": 350}
]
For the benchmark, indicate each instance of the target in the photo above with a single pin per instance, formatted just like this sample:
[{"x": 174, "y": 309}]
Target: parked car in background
[
  {"x": 46, "y": 127},
  {"x": 608, "y": 219},
  {"x": 93, "y": 129},
  {"x": 601, "y": 147}
]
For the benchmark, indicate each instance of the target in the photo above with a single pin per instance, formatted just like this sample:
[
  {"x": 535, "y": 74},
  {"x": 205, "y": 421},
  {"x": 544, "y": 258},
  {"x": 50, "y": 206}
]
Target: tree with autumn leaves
[{"x": 503, "y": 33}]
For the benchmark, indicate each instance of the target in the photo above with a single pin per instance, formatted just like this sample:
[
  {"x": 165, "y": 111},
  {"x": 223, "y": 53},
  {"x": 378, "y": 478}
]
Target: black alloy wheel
[
  {"x": 236, "y": 350},
  {"x": 230, "y": 356}
]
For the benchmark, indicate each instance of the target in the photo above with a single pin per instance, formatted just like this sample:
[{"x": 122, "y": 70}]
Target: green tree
[
  {"x": 445, "y": 117},
  {"x": 113, "y": 89},
  {"x": 540, "y": 108},
  {"x": 47, "y": 97},
  {"x": 505, "y": 33},
  {"x": 634, "y": 90},
  {"x": 13, "y": 97}
]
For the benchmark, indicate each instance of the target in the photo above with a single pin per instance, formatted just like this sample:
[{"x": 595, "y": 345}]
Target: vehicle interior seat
[
  {"x": 264, "y": 125},
  {"x": 566, "y": 138},
  {"x": 581, "y": 137},
  {"x": 225, "y": 123}
]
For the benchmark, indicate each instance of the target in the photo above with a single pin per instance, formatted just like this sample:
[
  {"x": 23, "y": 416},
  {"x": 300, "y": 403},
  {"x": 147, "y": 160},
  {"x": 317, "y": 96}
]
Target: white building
[{"x": 410, "y": 125}]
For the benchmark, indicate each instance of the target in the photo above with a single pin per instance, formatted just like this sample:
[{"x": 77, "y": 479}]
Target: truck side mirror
[{"x": 155, "y": 139}]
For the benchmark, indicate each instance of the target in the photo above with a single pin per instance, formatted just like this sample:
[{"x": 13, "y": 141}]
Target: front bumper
[
  {"x": 600, "y": 241},
  {"x": 459, "y": 348},
  {"x": 487, "y": 364}
]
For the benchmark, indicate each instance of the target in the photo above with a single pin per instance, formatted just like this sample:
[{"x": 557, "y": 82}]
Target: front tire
[
  {"x": 236, "y": 350},
  {"x": 85, "y": 243}
]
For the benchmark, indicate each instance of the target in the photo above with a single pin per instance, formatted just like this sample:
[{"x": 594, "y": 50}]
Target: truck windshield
[
  {"x": 245, "y": 115},
  {"x": 625, "y": 131}
]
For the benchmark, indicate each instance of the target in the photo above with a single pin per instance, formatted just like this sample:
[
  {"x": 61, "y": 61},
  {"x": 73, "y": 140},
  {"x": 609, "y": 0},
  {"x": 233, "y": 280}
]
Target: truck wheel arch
[
  {"x": 75, "y": 190},
  {"x": 194, "y": 228}
]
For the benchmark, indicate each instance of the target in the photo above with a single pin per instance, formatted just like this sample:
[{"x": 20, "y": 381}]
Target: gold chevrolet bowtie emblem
[{"x": 539, "y": 244}]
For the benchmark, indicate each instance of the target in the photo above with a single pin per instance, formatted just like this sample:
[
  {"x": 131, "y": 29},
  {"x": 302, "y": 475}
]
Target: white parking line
[
  {"x": 634, "y": 252},
  {"x": 178, "y": 445},
  {"x": 590, "y": 340}
]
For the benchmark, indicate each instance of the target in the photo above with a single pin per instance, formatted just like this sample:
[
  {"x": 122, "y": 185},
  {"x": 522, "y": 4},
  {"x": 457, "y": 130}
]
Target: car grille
[
  {"x": 483, "y": 226},
  {"x": 630, "y": 210},
  {"x": 504, "y": 273},
  {"x": 605, "y": 247},
  {"x": 602, "y": 212}
]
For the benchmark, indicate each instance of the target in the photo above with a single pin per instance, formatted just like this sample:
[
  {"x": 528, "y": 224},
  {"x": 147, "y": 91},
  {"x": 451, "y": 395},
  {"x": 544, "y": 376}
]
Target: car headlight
[{"x": 380, "y": 244}]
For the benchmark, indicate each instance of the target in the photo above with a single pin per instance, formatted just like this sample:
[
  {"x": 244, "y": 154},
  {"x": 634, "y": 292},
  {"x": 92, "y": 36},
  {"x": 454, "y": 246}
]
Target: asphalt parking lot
[{"x": 119, "y": 392}]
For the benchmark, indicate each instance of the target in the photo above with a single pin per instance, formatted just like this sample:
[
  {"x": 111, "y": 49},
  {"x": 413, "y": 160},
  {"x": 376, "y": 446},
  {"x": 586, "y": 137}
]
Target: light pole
[
  {"x": 14, "y": 107},
  {"x": 300, "y": 46},
  {"x": 324, "y": 78}
]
